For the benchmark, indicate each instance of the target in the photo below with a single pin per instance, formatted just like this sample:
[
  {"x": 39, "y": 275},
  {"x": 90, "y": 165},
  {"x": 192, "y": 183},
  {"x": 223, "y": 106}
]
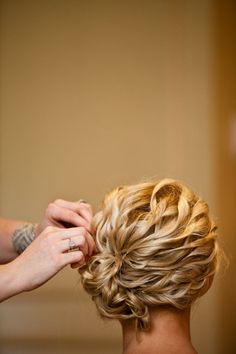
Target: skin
[
  {"x": 48, "y": 253},
  {"x": 169, "y": 334}
]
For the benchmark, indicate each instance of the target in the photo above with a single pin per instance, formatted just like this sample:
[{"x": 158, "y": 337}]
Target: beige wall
[{"x": 93, "y": 94}]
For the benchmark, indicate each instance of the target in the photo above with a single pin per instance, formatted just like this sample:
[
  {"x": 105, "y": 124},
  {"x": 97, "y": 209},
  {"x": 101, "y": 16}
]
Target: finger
[
  {"x": 64, "y": 234},
  {"x": 91, "y": 244},
  {"x": 82, "y": 208},
  {"x": 73, "y": 257},
  {"x": 79, "y": 242},
  {"x": 75, "y": 265},
  {"x": 61, "y": 214},
  {"x": 85, "y": 243},
  {"x": 84, "y": 239},
  {"x": 86, "y": 211}
]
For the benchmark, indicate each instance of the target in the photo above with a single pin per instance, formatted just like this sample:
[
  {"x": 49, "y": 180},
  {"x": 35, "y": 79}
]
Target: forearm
[
  {"x": 7, "y": 250},
  {"x": 9, "y": 281}
]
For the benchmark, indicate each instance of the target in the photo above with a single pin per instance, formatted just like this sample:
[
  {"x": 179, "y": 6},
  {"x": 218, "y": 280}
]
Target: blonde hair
[{"x": 156, "y": 246}]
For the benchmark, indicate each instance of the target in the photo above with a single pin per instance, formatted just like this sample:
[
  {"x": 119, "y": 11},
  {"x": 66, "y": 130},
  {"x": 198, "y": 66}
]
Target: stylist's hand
[
  {"x": 48, "y": 254},
  {"x": 62, "y": 213}
]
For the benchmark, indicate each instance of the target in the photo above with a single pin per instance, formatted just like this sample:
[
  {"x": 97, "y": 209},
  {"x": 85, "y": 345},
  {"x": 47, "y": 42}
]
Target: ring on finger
[
  {"x": 72, "y": 246},
  {"x": 82, "y": 201}
]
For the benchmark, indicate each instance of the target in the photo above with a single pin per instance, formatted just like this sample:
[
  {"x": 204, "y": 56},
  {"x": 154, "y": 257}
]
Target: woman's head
[{"x": 156, "y": 246}]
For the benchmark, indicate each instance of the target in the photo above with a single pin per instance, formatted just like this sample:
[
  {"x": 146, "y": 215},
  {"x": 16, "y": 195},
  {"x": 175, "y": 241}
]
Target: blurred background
[{"x": 100, "y": 93}]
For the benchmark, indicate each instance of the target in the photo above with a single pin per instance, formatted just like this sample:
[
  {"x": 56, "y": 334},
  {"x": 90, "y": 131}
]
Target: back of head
[{"x": 156, "y": 246}]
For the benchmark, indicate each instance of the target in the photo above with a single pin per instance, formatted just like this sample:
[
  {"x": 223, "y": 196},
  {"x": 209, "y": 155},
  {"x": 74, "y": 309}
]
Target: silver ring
[
  {"x": 72, "y": 245},
  {"x": 82, "y": 201}
]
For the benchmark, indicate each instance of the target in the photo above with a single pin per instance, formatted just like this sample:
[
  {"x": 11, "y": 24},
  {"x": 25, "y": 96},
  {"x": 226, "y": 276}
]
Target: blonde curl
[{"x": 157, "y": 245}]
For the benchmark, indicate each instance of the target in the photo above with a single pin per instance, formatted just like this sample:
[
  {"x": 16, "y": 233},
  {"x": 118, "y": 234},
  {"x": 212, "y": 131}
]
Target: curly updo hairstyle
[{"x": 157, "y": 245}]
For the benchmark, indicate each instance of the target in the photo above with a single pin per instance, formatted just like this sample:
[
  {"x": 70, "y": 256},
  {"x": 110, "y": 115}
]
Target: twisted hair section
[{"x": 157, "y": 245}]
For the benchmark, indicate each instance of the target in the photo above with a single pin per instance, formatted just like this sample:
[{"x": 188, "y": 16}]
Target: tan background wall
[{"x": 94, "y": 94}]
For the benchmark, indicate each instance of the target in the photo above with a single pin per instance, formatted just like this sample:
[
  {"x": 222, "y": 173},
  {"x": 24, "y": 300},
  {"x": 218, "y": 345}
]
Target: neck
[{"x": 169, "y": 333}]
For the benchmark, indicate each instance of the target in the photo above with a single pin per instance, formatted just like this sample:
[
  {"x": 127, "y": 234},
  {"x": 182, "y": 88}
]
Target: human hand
[
  {"x": 64, "y": 214},
  {"x": 48, "y": 254}
]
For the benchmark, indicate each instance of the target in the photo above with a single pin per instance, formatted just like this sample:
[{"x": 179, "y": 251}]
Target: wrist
[{"x": 10, "y": 282}]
